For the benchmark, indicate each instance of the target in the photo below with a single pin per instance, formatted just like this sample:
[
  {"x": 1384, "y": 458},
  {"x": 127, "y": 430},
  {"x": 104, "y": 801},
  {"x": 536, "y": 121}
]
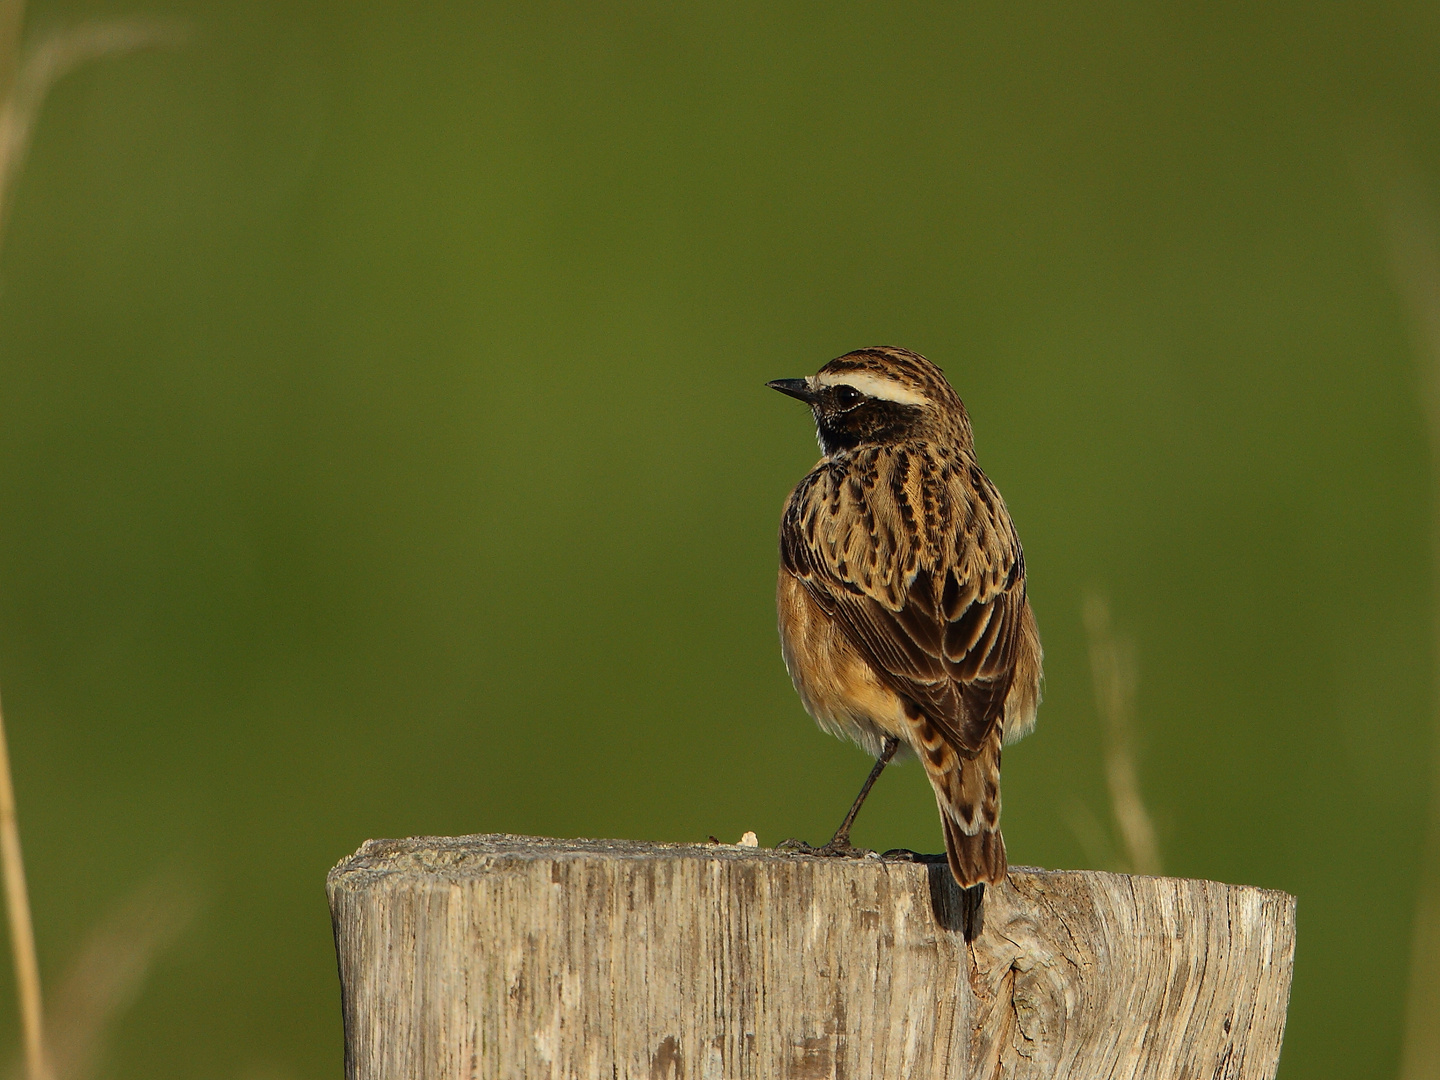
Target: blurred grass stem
[
  {"x": 1113, "y": 670},
  {"x": 108, "y": 970},
  {"x": 22, "y": 931},
  {"x": 1415, "y": 263},
  {"x": 50, "y": 60},
  {"x": 12, "y": 18},
  {"x": 12, "y": 861},
  {"x": 24, "y": 82}
]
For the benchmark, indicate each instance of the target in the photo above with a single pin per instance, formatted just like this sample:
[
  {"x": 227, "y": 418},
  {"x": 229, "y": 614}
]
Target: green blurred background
[{"x": 384, "y": 449}]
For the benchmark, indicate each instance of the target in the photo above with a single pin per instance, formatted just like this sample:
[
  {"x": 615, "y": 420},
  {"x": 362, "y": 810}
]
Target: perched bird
[{"x": 903, "y": 615}]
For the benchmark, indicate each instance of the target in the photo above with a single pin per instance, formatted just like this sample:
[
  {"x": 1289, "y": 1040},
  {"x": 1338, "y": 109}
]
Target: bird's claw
[{"x": 835, "y": 849}]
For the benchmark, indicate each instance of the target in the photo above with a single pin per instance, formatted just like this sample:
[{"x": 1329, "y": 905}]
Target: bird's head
[{"x": 879, "y": 395}]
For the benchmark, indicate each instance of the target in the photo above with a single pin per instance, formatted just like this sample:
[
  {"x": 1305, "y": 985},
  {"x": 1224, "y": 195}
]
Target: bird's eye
[{"x": 847, "y": 397}]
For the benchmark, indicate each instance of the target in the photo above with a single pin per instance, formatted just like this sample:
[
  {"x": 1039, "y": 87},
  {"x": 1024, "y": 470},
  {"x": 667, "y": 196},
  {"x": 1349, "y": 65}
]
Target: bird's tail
[
  {"x": 967, "y": 791},
  {"x": 974, "y": 858}
]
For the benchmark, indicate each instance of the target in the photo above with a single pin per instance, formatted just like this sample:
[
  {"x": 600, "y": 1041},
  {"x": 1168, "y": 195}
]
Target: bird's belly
[{"x": 837, "y": 685}]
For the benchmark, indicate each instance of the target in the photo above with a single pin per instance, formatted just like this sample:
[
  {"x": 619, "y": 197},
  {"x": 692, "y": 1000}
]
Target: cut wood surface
[{"x": 519, "y": 957}]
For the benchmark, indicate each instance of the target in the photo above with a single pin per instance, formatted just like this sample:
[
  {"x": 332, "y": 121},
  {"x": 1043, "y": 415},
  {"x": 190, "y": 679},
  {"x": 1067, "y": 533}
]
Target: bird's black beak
[{"x": 796, "y": 388}]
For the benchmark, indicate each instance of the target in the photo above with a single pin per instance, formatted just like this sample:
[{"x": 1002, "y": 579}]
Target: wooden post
[{"x": 517, "y": 957}]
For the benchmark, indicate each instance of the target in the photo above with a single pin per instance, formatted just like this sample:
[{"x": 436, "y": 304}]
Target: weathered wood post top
[{"x": 520, "y": 957}]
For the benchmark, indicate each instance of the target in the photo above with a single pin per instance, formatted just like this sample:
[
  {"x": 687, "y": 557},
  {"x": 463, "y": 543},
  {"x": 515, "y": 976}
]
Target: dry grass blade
[
  {"x": 1415, "y": 263},
  {"x": 22, "y": 932},
  {"x": 23, "y": 86},
  {"x": 1113, "y": 669},
  {"x": 51, "y": 60},
  {"x": 109, "y": 970},
  {"x": 12, "y": 20},
  {"x": 12, "y": 861}
]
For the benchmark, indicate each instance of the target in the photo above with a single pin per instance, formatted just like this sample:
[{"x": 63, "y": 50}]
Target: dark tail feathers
[{"x": 974, "y": 859}]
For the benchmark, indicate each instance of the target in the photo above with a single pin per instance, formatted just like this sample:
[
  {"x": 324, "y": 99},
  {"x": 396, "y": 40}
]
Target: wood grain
[{"x": 518, "y": 957}]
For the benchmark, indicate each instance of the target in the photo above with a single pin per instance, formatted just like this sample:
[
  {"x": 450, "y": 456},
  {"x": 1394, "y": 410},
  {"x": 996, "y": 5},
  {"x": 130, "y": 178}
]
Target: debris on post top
[{"x": 515, "y": 957}]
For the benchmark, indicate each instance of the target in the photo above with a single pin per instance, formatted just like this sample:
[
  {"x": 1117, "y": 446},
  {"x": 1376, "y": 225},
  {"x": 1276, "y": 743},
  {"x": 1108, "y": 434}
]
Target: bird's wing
[{"x": 920, "y": 566}]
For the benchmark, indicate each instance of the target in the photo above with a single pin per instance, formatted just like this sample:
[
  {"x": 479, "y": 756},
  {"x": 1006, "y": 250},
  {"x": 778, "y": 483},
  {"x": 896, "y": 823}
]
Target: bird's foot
[{"x": 837, "y": 848}]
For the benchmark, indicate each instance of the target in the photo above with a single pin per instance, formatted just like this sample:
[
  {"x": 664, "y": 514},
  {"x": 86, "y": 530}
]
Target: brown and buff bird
[{"x": 903, "y": 615}]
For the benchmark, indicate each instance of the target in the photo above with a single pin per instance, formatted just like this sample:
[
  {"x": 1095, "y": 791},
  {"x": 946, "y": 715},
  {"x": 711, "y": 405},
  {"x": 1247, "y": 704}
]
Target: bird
[{"x": 903, "y": 615}]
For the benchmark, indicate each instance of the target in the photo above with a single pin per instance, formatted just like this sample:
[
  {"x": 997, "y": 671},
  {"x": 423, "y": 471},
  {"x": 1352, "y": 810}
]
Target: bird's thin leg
[
  {"x": 840, "y": 843},
  {"x": 841, "y": 840}
]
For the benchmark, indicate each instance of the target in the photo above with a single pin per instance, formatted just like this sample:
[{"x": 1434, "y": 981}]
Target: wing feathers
[
  {"x": 933, "y": 607},
  {"x": 962, "y": 634}
]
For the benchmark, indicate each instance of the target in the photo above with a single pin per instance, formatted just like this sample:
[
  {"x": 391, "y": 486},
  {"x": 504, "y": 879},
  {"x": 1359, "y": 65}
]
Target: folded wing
[{"x": 920, "y": 566}]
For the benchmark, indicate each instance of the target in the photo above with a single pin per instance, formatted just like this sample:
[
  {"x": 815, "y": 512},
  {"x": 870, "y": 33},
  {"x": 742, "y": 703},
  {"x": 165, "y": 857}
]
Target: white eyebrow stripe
[{"x": 875, "y": 386}]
